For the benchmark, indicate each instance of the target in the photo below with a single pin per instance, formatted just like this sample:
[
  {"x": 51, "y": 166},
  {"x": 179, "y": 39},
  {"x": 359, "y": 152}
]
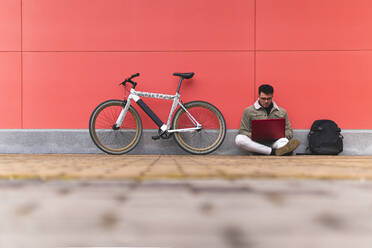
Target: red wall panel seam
[
  {"x": 254, "y": 46},
  {"x": 21, "y": 64},
  {"x": 136, "y": 51}
]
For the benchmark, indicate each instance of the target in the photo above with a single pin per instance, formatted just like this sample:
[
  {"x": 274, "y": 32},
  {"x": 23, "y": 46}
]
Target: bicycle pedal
[{"x": 156, "y": 137}]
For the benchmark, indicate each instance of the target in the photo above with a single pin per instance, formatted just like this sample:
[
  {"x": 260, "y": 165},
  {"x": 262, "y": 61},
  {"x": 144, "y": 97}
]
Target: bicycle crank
[{"x": 162, "y": 134}]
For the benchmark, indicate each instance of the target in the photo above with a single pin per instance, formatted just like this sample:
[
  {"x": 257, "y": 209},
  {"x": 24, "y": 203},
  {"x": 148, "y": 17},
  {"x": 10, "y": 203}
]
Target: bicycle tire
[
  {"x": 203, "y": 141},
  {"x": 111, "y": 140}
]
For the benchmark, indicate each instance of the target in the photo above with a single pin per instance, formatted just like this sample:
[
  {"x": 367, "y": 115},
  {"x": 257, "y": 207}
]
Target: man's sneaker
[{"x": 288, "y": 148}]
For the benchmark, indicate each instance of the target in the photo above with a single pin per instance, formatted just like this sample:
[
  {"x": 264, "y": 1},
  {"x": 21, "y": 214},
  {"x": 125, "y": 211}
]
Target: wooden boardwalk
[{"x": 142, "y": 167}]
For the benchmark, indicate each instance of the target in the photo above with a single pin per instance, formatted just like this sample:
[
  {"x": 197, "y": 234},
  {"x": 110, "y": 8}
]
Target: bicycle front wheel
[
  {"x": 106, "y": 136},
  {"x": 205, "y": 140}
]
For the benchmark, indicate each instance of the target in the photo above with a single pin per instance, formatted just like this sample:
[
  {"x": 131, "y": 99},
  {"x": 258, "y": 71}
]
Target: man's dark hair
[{"x": 267, "y": 89}]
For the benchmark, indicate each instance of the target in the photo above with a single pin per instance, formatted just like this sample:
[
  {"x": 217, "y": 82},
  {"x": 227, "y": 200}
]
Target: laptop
[{"x": 268, "y": 129}]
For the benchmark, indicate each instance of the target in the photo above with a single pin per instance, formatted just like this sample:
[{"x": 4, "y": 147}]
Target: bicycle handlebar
[{"x": 129, "y": 80}]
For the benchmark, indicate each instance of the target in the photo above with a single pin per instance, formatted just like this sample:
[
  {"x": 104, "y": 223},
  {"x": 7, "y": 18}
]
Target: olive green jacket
[{"x": 257, "y": 112}]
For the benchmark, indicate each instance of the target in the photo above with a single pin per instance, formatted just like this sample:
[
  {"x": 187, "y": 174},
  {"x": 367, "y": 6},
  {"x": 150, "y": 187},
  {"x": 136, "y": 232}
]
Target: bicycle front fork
[{"x": 121, "y": 117}]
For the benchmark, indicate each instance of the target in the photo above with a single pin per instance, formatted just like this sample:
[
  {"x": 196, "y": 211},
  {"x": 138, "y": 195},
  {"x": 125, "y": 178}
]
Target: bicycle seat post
[{"x": 179, "y": 85}]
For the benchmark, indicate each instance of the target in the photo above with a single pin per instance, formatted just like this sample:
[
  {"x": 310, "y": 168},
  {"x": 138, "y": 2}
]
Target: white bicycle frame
[{"x": 135, "y": 95}]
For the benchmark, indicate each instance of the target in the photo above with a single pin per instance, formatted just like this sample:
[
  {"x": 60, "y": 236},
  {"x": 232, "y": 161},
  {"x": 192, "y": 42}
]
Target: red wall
[{"x": 60, "y": 58}]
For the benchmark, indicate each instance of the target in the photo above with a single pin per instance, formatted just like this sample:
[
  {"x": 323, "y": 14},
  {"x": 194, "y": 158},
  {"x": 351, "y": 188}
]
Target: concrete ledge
[{"x": 356, "y": 142}]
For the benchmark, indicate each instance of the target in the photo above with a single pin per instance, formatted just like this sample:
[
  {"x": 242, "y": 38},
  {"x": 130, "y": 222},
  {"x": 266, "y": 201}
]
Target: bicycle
[{"x": 198, "y": 127}]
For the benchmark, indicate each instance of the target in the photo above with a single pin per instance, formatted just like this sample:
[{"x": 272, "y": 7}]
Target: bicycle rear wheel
[
  {"x": 110, "y": 139},
  {"x": 205, "y": 140}
]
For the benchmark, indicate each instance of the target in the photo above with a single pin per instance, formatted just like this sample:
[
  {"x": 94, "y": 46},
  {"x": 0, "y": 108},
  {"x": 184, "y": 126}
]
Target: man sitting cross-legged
[{"x": 265, "y": 108}]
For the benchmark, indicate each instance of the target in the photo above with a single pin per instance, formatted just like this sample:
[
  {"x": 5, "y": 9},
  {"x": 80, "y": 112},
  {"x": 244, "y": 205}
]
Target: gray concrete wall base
[{"x": 356, "y": 142}]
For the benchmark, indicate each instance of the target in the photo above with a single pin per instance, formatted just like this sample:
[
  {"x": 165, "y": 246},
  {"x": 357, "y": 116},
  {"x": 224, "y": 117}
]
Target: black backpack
[{"x": 325, "y": 138}]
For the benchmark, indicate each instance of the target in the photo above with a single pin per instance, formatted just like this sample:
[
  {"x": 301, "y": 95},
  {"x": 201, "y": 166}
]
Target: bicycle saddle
[{"x": 184, "y": 75}]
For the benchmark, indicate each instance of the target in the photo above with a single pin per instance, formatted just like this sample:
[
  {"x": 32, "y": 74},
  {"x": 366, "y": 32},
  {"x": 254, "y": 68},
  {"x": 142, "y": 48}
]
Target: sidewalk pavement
[
  {"x": 185, "y": 201},
  {"x": 143, "y": 167}
]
